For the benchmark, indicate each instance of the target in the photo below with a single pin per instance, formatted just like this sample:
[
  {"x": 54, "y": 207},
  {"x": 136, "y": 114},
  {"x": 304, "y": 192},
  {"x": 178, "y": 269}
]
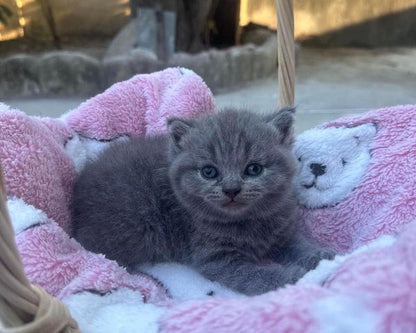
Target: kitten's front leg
[
  {"x": 307, "y": 253},
  {"x": 249, "y": 278}
]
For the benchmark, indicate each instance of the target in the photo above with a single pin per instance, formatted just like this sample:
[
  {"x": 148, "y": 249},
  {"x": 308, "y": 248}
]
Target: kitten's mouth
[{"x": 232, "y": 204}]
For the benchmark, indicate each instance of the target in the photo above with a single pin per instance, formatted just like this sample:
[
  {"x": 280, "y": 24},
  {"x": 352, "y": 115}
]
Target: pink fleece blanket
[
  {"x": 364, "y": 191},
  {"x": 39, "y": 173}
]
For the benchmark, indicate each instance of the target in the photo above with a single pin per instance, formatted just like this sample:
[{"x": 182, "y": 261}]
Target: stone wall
[{"x": 71, "y": 73}]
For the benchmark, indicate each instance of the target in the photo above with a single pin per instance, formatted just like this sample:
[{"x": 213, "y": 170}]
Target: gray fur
[{"x": 146, "y": 201}]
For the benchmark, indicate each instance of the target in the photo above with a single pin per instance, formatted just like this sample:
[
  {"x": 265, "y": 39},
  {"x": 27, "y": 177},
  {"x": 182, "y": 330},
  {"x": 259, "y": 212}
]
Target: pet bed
[{"x": 363, "y": 206}]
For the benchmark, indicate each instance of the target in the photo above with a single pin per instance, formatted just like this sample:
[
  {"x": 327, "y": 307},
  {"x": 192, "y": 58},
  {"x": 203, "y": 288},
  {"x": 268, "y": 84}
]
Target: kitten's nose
[
  {"x": 318, "y": 169},
  {"x": 231, "y": 192}
]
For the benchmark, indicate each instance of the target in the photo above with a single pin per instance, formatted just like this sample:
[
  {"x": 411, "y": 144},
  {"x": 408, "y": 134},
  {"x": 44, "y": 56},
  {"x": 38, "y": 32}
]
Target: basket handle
[{"x": 285, "y": 52}]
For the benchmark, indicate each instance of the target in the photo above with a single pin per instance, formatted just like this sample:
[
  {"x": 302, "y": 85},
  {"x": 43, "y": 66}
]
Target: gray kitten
[{"x": 215, "y": 194}]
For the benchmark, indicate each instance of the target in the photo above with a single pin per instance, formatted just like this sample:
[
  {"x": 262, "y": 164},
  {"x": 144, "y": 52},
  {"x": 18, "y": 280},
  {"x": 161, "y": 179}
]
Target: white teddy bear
[{"x": 332, "y": 162}]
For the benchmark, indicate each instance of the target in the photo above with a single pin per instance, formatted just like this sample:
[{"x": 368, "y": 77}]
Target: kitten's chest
[
  {"x": 256, "y": 244},
  {"x": 260, "y": 240},
  {"x": 253, "y": 241}
]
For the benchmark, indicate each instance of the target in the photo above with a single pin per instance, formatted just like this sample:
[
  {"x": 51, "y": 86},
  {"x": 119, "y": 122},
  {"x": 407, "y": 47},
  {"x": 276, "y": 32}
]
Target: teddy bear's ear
[
  {"x": 283, "y": 120},
  {"x": 363, "y": 134}
]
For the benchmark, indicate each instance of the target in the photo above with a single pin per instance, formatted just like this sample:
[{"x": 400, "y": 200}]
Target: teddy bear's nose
[{"x": 318, "y": 169}]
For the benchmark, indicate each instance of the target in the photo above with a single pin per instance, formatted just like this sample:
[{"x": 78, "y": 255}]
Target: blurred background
[{"x": 351, "y": 55}]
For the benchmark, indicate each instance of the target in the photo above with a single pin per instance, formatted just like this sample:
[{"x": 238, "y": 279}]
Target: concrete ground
[{"x": 330, "y": 83}]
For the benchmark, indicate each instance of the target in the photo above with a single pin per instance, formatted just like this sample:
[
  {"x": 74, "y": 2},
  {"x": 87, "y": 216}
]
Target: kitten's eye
[
  {"x": 209, "y": 172},
  {"x": 300, "y": 159},
  {"x": 343, "y": 162},
  {"x": 253, "y": 169}
]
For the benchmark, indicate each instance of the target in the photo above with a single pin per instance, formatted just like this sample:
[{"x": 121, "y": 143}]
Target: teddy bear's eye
[
  {"x": 343, "y": 162},
  {"x": 299, "y": 159}
]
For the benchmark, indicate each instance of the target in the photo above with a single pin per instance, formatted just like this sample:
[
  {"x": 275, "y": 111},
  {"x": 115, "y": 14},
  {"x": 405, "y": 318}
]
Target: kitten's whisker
[{"x": 254, "y": 190}]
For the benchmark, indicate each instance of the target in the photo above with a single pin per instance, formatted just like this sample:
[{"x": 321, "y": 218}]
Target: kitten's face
[{"x": 231, "y": 164}]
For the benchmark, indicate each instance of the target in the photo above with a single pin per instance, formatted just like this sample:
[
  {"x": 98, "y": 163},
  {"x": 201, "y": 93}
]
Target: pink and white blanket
[{"x": 363, "y": 206}]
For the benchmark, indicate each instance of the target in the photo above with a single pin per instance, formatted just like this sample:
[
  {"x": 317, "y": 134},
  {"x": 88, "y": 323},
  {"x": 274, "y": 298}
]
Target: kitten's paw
[
  {"x": 260, "y": 279},
  {"x": 310, "y": 261},
  {"x": 287, "y": 274},
  {"x": 327, "y": 253},
  {"x": 293, "y": 272}
]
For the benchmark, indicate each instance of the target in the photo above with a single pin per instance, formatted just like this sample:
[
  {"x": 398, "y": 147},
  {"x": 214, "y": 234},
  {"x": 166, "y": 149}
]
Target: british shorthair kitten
[{"x": 216, "y": 193}]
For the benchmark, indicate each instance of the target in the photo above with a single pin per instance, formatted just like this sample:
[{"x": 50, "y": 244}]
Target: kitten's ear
[
  {"x": 283, "y": 121},
  {"x": 177, "y": 128}
]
